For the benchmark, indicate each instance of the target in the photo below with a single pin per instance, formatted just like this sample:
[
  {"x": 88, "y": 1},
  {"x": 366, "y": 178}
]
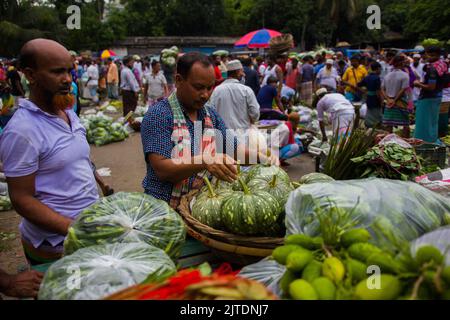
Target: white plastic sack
[
  {"x": 439, "y": 238},
  {"x": 268, "y": 272},
  {"x": 126, "y": 218},
  {"x": 97, "y": 272},
  {"x": 405, "y": 208}
]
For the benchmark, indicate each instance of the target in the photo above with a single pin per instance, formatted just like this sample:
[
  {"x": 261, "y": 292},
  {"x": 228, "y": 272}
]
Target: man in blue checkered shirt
[{"x": 195, "y": 80}]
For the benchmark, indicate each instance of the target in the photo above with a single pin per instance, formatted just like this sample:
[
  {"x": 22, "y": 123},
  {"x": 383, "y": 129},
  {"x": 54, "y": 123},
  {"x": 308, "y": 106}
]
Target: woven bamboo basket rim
[{"x": 210, "y": 235}]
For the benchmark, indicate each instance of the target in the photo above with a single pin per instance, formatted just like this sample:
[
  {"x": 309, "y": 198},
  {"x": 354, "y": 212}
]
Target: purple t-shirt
[{"x": 37, "y": 142}]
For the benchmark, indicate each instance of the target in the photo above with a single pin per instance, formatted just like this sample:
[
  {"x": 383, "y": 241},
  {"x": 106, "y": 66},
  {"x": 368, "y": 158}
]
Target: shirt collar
[
  {"x": 28, "y": 105},
  {"x": 200, "y": 115},
  {"x": 232, "y": 81}
]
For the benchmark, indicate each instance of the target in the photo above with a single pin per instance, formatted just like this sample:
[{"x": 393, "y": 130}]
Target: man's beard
[{"x": 63, "y": 101}]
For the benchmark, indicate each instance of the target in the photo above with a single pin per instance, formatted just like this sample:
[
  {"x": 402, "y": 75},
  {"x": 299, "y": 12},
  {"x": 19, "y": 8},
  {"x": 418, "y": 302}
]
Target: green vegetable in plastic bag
[
  {"x": 126, "y": 218},
  {"x": 405, "y": 209},
  {"x": 99, "y": 271}
]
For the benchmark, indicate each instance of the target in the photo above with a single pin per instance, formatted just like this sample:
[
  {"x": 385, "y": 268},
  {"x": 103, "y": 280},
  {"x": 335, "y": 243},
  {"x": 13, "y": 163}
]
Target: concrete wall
[{"x": 154, "y": 45}]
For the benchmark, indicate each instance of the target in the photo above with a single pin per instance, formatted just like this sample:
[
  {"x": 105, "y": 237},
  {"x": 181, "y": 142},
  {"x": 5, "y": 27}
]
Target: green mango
[
  {"x": 362, "y": 251},
  {"x": 357, "y": 270},
  {"x": 386, "y": 263},
  {"x": 305, "y": 241},
  {"x": 280, "y": 254},
  {"x": 390, "y": 289},
  {"x": 333, "y": 269},
  {"x": 355, "y": 236},
  {"x": 298, "y": 259},
  {"x": 325, "y": 288},
  {"x": 312, "y": 271},
  {"x": 428, "y": 254},
  {"x": 287, "y": 278},
  {"x": 302, "y": 290}
]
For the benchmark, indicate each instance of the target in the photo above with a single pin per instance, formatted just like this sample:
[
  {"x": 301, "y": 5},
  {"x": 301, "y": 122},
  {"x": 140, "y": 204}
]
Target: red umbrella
[{"x": 257, "y": 39}]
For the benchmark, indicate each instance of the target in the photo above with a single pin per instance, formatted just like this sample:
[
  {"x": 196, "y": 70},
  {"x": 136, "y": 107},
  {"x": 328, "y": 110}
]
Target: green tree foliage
[{"x": 311, "y": 22}]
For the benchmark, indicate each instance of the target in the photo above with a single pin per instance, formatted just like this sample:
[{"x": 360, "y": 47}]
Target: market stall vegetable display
[
  {"x": 99, "y": 271},
  {"x": 127, "y": 218}
]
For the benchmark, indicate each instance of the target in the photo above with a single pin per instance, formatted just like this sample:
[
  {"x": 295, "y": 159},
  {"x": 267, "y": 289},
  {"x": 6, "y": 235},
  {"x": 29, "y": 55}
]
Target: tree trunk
[{"x": 303, "y": 40}]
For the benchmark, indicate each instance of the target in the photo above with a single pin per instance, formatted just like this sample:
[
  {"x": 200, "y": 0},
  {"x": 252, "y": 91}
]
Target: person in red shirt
[{"x": 216, "y": 60}]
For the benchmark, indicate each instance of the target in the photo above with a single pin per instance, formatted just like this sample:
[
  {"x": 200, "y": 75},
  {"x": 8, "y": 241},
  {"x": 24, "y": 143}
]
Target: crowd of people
[{"x": 46, "y": 157}]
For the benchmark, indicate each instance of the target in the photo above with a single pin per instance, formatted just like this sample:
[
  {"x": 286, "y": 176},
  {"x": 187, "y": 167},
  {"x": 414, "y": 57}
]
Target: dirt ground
[{"x": 126, "y": 161}]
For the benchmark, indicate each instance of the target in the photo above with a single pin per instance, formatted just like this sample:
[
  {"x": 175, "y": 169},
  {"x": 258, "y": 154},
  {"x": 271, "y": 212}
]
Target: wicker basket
[{"x": 232, "y": 248}]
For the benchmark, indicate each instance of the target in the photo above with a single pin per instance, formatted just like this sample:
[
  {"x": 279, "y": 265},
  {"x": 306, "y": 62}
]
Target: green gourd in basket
[
  {"x": 267, "y": 171},
  {"x": 251, "y": 213},
  {"x": 278, "y": 188},
  {"x": 206, "y": 208}
]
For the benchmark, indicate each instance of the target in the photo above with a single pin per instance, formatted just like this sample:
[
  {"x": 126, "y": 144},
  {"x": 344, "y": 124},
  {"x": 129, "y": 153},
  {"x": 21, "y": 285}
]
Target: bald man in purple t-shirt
[{"x": 45, "y": 154}]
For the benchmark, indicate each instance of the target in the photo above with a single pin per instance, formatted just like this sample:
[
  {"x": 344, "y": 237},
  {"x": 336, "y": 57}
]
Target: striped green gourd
[
  {"x": 251, "y": 213},
  {"x": 279, "y": 189},
  {"x": 267, "y": 171},
  {"x": 206, "y": 208}
]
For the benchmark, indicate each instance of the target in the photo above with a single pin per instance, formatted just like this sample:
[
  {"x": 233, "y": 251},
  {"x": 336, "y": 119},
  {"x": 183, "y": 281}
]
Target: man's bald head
[{"x": 34, "y": 51}]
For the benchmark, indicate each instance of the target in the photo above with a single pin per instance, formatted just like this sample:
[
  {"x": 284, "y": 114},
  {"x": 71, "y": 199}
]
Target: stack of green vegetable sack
[
  {"x": 345, "y": 270},
  {"x": 128, "y": 218},
  {"x": 252, "y": 206},
  {"x": 100, "y": 130},
  {"x": 169, "y": 56}
]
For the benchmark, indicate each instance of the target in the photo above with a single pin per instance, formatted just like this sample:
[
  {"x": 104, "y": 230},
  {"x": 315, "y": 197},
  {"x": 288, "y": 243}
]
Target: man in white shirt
[
  {"x": 92, "y": 84},
  {"x": 417, "y": 66},
  {"x": 340, "y": 110},
  {"x": 234, "y": 102},
  {"x": 155, "y": 88},
  {"x": 328, "y": 77}
]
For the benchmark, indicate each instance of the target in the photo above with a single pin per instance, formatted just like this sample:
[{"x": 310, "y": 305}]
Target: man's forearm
[
  {"x": 173, "y": 172},
  {"x": 42, "y": 216}
]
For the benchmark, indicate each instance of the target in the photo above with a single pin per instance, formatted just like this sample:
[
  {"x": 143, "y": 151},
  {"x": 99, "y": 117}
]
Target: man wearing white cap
[
  {"x": 234, "y": 102},
  {"x": 328, "y": 77},
  {"x": 417, "y": 67},
  {"x": 340, "y": 111}
]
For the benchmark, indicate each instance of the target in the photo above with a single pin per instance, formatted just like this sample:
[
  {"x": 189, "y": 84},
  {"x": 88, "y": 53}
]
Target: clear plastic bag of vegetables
[
  {"x": 99, "y": 271},
  {"x": 439, "y": 238},
  {"x": 268, "y": 272},
  {"x": 405, "y": 208},
  {"x": 126, "y": 218}
]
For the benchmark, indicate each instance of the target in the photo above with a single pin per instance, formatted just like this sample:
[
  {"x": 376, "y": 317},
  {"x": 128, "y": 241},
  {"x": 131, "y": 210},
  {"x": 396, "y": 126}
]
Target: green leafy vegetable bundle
[{"x": 390, "y": 161}]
